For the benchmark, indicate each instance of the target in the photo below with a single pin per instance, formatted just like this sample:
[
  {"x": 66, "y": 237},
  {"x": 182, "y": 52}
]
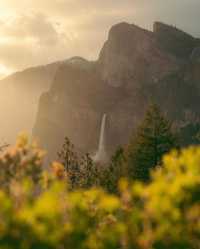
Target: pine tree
[
  {"x": 153, "y": 139},
  {"x": 81, "y": 171},
  {"x": 114, "y": 171},
  {"x": 69, "y": 158},
  {"x": 90, "y": 172}
]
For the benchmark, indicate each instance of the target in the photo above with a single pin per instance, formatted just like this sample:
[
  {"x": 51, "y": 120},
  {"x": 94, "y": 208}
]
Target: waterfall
[{"x": 101, "y": 155}]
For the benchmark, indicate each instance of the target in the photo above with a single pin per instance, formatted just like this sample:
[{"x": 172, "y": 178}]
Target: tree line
[{"x": 135, "y": 161}]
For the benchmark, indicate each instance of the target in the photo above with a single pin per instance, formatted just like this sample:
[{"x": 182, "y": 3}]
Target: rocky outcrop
[{"x": 134, "y": 66}]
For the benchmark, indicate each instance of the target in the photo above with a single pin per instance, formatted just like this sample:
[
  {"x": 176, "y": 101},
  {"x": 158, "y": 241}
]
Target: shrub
[
  {"x": 23, "y": 160},
  {"x": 163, "y": 213}
]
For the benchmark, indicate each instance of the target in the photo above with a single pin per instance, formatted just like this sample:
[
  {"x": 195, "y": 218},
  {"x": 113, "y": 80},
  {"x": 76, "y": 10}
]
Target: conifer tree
[
  {"x": 114, "y": 171},
  {"x": 81, "y": 171},
  {"x": 153, "y": 139},
  {"x": 69, "y": 158},
  {"x": 90, "y": 173}
]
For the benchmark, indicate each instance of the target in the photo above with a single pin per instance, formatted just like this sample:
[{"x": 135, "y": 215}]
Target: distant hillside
[{"x": 19, "y": 98}]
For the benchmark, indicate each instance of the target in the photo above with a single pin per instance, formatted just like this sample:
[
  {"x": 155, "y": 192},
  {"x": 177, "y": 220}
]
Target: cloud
[
  {"x": 29, "y": 40},
  {"x": 38, "y": 32},
  {"x": 35, "y": 26}
]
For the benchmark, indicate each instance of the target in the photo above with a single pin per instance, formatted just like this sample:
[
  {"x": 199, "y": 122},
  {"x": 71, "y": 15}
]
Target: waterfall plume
[{"x": 101, "y": 155}]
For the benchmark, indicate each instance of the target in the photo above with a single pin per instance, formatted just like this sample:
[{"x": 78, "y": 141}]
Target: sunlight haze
[{"x": 30, "y": 29}]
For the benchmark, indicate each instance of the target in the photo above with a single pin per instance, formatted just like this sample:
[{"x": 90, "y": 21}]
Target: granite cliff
[{"x": 134, "y": 67}]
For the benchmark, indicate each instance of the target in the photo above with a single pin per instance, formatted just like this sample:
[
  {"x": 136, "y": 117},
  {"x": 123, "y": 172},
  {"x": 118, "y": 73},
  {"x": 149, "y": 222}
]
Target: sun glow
[{"x": 4, "y": 71}]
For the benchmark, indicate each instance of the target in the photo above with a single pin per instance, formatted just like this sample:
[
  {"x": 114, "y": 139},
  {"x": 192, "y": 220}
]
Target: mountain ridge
[{"x": 134, "y": 66}]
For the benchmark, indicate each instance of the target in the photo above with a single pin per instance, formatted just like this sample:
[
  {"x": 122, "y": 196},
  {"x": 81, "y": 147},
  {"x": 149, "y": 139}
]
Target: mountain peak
[
  {"x": 163, "y": 27},
  {"x": 123, "y": 29},
  {"x": 174, "y": 40}
]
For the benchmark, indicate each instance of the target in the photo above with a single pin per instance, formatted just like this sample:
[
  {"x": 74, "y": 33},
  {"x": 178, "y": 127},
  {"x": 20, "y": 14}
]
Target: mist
[{"x": 19, "y": 99}]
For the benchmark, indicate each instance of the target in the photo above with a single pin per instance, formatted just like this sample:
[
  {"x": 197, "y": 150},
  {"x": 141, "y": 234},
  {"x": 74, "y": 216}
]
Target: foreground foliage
[{"x": 43, "y": 212}]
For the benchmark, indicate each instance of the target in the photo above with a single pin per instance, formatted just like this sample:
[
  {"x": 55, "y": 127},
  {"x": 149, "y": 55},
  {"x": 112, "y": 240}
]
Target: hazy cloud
[
  {"x": 41, "y": 31},
  {"x": 34, "y": 27}
]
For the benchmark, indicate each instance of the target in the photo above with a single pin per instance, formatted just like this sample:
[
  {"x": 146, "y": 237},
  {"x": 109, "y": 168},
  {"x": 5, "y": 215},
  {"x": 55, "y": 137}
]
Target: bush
[
  {"x": 22, "y": 160},
  {"x": 161, "y": 214}
]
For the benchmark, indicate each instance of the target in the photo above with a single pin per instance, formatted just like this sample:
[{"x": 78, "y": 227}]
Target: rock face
[
  {"x": 134, "y": 67},
  {"x": 131, "y": 54},
  {"x": 175, "y": 41}
]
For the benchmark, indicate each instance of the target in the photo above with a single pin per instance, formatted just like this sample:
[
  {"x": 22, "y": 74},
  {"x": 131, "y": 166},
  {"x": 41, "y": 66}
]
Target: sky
[{"x": 35, "y": 32}]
